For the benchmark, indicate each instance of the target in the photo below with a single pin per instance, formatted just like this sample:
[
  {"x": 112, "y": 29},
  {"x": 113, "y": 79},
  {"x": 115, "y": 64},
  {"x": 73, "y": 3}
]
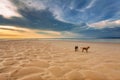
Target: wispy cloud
[
  {"x": 69, "y": 34},
  {"x": 91, "y": 4},
  {"x": 59, "y": 18},
  {"x": 57, "y": 13},
  {"x": 50, "y": 33},
  {"x": 105, "y": 24},
  {"x": 11, "y": 29}
]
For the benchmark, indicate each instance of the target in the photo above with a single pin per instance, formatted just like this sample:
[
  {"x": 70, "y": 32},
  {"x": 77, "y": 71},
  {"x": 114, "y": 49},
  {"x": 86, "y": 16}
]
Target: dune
[{"x": 33, "y": 59}]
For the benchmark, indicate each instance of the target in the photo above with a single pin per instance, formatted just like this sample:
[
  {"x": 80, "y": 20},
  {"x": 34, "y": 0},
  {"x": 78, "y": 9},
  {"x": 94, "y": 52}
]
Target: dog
[
  {"x": 85, "y": 49},
  {"x": 76, "y": 48}
]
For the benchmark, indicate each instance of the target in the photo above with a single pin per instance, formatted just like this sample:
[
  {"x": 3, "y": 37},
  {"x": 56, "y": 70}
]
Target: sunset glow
[{"x": 59, "y": 18}]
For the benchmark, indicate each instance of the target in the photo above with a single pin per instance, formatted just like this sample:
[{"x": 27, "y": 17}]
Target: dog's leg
[
  {"x": 86, "y": 50},
  {"x": 82, "y": 50},
  {"x": 75, "y": 50}
]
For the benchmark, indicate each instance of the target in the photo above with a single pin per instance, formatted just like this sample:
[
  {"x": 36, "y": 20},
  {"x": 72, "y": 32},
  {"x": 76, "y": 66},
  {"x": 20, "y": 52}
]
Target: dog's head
[{"x": 88, "y": 47}]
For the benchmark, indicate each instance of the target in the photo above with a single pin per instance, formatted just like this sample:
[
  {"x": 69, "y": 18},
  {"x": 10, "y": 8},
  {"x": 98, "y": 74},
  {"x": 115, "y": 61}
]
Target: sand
[{"x": 57, "y": 60}]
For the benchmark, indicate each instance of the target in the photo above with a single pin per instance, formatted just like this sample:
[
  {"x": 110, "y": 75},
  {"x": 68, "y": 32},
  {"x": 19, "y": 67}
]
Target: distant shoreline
[{"x": 98, "y": 40}]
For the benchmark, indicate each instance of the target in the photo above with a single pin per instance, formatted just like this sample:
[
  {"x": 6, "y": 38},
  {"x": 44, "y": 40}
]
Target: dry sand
[{"x": 56, "y": 60}]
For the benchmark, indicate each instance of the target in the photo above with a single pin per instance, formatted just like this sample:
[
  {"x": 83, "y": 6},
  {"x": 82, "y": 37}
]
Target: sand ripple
[{"x": 56, "y": 60}]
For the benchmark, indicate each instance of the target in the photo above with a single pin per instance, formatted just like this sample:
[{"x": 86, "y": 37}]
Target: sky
[{"x": 59, "y": 18}]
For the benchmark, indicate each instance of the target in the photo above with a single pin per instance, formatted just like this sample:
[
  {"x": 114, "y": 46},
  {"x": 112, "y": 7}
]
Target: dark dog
[
  {"x": 85, "y": 49},
  {"x": 76, "y": 48}
]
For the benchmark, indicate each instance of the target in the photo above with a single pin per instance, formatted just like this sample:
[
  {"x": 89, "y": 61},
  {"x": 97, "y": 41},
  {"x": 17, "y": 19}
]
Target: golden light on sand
[
  {"x": 18, "y": 32},
  {"x": 29, "y": 59}
]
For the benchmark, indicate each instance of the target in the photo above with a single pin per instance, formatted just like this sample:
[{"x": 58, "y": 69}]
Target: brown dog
[
  {"x": 76, "y": 48},
  {"x": 85, "y": 49}
]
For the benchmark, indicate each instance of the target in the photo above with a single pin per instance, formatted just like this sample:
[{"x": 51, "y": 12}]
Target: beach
[{"x": 33, "y": 59}]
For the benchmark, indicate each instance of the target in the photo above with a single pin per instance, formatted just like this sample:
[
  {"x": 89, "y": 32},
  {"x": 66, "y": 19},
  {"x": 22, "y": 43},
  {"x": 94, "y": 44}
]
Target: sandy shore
[{"x": 57, "y": 60}]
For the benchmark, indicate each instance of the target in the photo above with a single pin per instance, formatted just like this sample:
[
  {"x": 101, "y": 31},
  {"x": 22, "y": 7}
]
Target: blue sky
[{"x": 60, "y": 18}]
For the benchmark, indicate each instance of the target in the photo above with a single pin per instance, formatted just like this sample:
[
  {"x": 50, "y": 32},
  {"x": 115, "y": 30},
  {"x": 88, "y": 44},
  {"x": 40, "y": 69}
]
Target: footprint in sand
[
  {"x": 92, "y": 75},
  {"x": 38, "y": 63},
  {"x": 32, "y": 77},
  {"x": 56, "y": 71},
  {"x": 4, "y": 77},
  {"x": 6, "y": 69},
  {"x": 9, "y": 62},
  {"x": 74, "y": 75},
  {"x": 23, "y": 72}
]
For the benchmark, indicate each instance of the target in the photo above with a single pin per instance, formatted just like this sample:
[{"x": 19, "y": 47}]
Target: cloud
[
  {"x": 62, "y": 18},
  {"x": 57, "y": 13},
  {"x": 18, "y": 32},
  {"x": 8, "y": 10},
  {"x": 105, "y": 24},
  {"x": 40, "y": 5},
  {"x": 36, "y": 5},
  {"x": 51, "y": 33},
  {"x": 11, "y": 29},
  {"x": 43, "y": 20},
  {"x": 101, "y": 33},
  {"x": 69, "y": 34},
  {"x": 82, "y": 10},
  {"x": 91, "y": 4}
]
